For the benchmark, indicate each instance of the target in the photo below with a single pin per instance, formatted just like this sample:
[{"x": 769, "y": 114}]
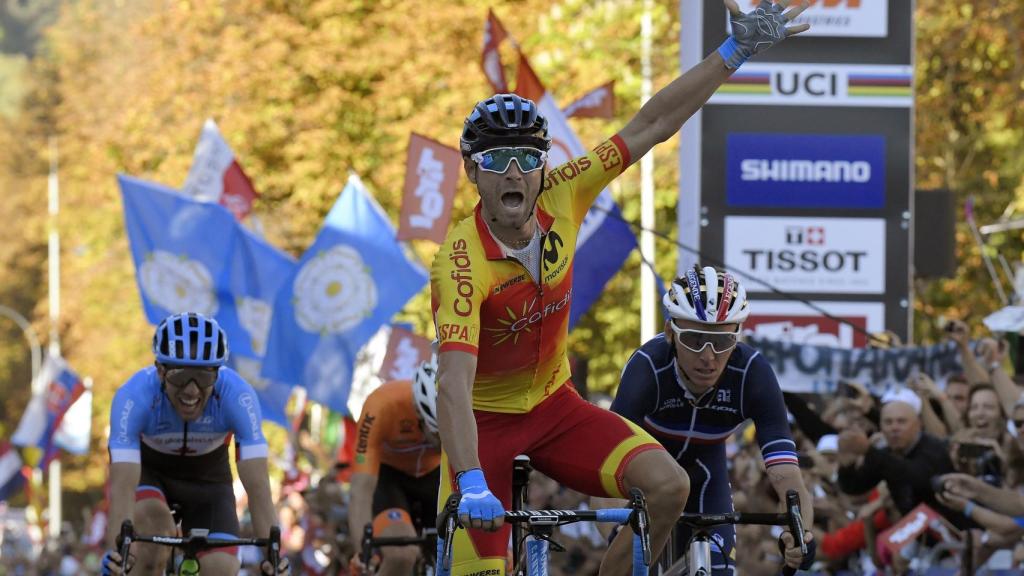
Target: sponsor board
[
  {"x": 819, "y": 85},
  {"x": 795, "y": 322},
  {"x": 805, "y": 170},
  {"x": 840, "y": 18},
  {"x": 809, "y": 255}
]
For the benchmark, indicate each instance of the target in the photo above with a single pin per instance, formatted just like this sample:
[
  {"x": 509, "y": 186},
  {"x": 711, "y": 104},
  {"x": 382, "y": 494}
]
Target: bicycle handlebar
[
  {"x": 368, "y": 542},
  {"x": 200, "y": 540},
  {"x": 636, "y": 516},
  {"x": 791, "y": 518},
  {"x": 758, "y": 518}
]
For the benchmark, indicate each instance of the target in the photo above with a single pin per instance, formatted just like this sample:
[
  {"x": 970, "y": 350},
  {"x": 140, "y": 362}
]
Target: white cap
[
  {"x": 828, "y": 444},
  {"x": 904, "y": 395}
]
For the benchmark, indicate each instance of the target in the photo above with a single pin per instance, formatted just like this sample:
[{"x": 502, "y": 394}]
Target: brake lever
[
  {"x": 796, "y": 522},
  {"x": 447, "y": 523},
  {"x": 639, "y": 521}
]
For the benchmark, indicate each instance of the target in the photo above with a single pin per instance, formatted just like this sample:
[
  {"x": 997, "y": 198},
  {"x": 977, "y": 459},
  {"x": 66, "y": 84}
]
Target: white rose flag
[{"x": 349, "y": 283}]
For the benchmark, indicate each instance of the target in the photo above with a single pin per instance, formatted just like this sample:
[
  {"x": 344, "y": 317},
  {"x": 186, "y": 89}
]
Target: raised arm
[{"x": 664, "y": 114}]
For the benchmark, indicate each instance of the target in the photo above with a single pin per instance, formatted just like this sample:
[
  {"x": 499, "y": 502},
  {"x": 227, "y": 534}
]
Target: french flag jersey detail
[{"x": 652, "y": 394}]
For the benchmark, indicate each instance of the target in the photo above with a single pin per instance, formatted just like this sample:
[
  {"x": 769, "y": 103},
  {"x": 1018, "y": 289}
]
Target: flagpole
[
  {"x": 55, "y": 505},
  {"x": 648, "y": 306},
  {"x": 33, "y": 341}
]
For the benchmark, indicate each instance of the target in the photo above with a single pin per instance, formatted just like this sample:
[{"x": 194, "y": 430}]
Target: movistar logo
[
  {"x": 554, "y": 242},
  {"x": 762, "y": 170}
]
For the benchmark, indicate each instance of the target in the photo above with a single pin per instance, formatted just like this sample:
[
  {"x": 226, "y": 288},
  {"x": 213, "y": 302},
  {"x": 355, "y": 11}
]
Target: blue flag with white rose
[
  {"x": 193, "y": 256},
  {"x": 350, "y": 282},
  {"x": 256, "y": 273},
  {"x": 181, "y": 248}
]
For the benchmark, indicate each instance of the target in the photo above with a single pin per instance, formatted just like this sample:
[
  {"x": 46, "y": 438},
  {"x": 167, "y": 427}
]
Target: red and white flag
[
  {"x": 431, "y": 176},
  {"x": 598, "y": 103},
  {"x": 494, "y": 35},
  {"x": 216, "y": 176},
  {"x": 405, "y": 353}
]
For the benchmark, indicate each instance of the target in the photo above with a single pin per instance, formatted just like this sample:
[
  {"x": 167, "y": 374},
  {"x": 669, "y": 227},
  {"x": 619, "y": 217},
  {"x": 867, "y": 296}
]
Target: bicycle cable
[{"x": 720, "y": 264}]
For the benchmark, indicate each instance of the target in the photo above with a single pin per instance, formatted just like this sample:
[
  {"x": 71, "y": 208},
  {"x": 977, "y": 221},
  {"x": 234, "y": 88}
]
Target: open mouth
[
  {"x": 512, "y": 199},
  {"x": 189, "y": 403}
]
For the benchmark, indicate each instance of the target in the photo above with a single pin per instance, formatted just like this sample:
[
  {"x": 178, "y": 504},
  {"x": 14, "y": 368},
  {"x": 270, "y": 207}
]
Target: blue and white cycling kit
[
  {"x": 187, "y": 463},
  {"x": 694, "y": 430}
]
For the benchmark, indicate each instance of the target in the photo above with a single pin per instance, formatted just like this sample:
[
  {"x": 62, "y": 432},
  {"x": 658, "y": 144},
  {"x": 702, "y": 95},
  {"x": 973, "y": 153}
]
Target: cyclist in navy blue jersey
[
  {"x": 694, "y": 385},
  {"x": 171, "y": 426}
]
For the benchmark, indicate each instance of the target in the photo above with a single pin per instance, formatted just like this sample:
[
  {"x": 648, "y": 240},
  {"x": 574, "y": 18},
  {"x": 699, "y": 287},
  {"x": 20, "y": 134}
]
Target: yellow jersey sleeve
[
  {"x": 457, "y": 290},
  {"x": 579, "y": 181}
]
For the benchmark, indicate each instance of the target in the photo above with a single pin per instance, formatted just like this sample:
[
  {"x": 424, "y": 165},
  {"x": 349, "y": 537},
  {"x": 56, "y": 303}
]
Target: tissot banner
[{"x": 808, "y": 255}]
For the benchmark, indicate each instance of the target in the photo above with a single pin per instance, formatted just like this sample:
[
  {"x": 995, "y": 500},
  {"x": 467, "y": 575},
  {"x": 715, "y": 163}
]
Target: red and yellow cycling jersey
[
  {"x": 487, "y": 304},
  {"x": 389, "y": 433}
]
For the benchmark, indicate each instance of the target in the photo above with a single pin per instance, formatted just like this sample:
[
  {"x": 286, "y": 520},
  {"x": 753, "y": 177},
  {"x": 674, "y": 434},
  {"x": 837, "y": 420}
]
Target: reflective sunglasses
[
  {"x": 498, "y": 160},
  {"x": 181, "y": 376},
  {"x": 697, "y": 340}
]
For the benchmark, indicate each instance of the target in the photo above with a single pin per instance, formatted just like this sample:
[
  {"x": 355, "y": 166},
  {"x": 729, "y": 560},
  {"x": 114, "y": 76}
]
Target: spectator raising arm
[
  {"x": 973, "y": 370},
  {"x": 989, "y": 519},
  {"x": 1002, "y": 500}
]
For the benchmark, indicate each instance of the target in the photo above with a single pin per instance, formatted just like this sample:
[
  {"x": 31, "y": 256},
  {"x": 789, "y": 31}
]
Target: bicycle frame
[
  {"x": 541, "y": 524},
  {"x": 198, "y": 540}
]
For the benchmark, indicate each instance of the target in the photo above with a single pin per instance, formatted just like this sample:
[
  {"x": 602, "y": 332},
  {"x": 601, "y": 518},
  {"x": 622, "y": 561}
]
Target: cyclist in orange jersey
[
  {"x": 501, "y": 288},
  {"x": 396, "y": 471}
]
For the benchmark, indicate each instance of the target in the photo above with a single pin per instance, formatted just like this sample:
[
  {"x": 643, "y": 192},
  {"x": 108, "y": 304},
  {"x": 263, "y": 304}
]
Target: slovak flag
[
  {"x": 11, "y": 478},
  {"x": 57, "y": 389},
  {"x": 216, "y": 176}
]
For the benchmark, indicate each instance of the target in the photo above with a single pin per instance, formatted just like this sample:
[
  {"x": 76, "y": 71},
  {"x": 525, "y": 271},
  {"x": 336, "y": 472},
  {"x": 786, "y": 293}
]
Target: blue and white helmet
[
  {"x": 190, "y": 339},
  {"x": 707, "y": 296}
]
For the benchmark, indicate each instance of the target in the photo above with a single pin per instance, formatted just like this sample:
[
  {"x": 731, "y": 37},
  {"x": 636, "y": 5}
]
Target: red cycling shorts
[{"x": 568, "y": 439}]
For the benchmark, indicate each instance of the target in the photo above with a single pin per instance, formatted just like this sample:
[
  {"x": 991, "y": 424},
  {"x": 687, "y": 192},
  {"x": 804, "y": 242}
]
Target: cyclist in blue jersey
[
  {"x": 694, "y": 385},
  {"x": 171, "y": 426}
]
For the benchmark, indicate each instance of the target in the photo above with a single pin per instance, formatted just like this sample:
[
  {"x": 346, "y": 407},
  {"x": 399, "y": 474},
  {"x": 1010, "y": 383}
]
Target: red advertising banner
[
  {"x": 598, "y": 103},
  {"x": 431, "y": 175},
  {"x": 915, "y": 523},
  {"x": 490, "y": 59},
  {"x": 405, "y": 352}
]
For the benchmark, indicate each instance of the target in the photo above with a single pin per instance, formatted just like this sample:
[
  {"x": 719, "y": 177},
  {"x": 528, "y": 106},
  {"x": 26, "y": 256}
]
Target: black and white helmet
[
  {"x": 504, "y": 120},
  {"x": 707, "y": 296},
  {"x": 190, "y": 339},
  {"x": 424, "y": 392}
]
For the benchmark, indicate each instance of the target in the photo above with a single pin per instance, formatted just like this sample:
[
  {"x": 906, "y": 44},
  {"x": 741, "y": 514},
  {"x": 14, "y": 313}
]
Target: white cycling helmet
[
  {"x": 721, "y": 298},
  {"x": 424, "y": 392}
]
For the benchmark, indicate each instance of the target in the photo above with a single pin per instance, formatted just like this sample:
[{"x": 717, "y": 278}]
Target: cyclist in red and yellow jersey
[
  {"x": 501, "y": 288},
  {"x": 396, "y": 471}
]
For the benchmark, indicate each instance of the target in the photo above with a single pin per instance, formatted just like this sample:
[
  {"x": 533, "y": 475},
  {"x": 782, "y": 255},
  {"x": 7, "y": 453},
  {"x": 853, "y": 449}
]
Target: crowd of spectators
[{"x": 870, "y": 458}]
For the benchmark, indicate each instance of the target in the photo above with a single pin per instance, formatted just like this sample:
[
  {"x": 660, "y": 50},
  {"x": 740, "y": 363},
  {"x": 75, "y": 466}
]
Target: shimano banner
[{"x": 798, "y": 172}]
